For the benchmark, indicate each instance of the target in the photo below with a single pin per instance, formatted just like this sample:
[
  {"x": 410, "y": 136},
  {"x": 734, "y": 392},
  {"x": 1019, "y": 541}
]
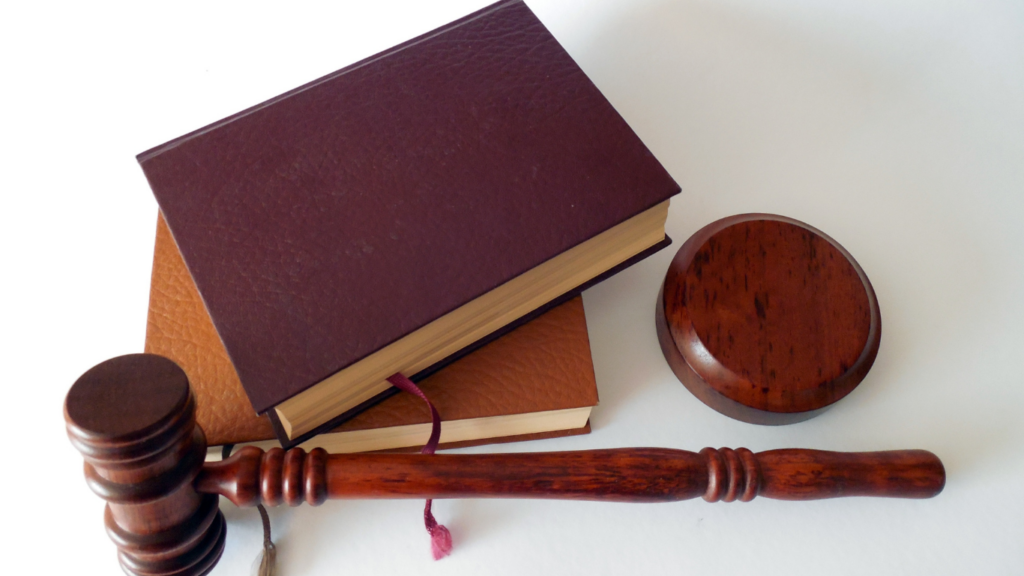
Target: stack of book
[{"x": 435, "y": 211}]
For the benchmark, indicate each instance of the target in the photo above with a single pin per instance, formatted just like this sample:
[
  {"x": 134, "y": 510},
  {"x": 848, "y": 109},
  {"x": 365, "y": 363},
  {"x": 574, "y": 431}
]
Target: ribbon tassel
[
  {"x": 266, "y": 561},
  {"x": 440, "y": 537}
]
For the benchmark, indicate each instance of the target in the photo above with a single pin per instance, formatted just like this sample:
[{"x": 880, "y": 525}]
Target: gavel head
[{"x": 133, "y": 420}]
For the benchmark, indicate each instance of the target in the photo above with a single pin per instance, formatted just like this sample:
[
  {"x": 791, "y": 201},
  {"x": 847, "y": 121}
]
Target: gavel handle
[{"x": 253, "y": 476}]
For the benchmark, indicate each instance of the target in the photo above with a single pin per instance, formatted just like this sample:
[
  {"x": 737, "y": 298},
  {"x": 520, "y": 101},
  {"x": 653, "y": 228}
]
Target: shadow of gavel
[{"x": 133, "y": 420}]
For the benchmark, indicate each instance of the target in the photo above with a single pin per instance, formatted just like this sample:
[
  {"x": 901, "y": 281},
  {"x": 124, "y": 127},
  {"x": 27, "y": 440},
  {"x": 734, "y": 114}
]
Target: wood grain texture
[
  {"x": 133, "y": 420},
  {"x": 622, "y": 475},
  {"x": 767, "y": 319},
  {"x": 814, "y": 474}
]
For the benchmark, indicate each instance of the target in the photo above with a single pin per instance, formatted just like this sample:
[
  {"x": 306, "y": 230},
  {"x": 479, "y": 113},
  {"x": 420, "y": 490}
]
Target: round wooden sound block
[{"x": 767, "y": 320}]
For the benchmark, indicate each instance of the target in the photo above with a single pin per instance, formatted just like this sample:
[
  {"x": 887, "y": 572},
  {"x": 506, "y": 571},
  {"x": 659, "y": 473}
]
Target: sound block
[{"x": 767, "y": 320}]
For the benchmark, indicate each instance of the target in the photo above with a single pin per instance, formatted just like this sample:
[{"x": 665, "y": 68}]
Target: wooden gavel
[{"x": 133, "y": 420}]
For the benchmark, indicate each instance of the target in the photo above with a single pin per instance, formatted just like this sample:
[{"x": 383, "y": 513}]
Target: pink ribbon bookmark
[{"x": 440, "y": 537}]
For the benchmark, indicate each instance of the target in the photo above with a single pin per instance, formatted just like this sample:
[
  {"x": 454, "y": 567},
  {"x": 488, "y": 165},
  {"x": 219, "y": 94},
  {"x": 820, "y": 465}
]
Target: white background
[{"x": 895, "y": 127}]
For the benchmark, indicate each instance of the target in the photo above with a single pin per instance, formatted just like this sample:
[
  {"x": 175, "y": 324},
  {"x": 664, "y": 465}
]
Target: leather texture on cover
[
  {"x": 333, "y": 423},
  {"x": 331, "y": 221},
  {"x": 544, "y": 364}
]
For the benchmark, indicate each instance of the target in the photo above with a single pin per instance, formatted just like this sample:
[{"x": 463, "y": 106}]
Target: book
[
  {"x": 534, "y": 382},
  {"x": 389, "y": 216}
]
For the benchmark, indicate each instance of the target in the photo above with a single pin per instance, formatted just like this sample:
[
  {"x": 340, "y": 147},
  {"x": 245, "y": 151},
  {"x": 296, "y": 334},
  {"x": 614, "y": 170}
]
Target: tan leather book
[{"x": 537, "y": 381}]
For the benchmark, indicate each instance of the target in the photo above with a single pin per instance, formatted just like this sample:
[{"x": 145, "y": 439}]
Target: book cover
[
  {"x": 542, "y": 366},
  {"x": 330, "y": 222}
]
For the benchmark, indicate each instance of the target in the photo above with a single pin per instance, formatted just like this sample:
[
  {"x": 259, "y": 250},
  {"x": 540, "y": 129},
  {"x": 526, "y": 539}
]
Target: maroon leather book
[{"x": 328, "y": 222}]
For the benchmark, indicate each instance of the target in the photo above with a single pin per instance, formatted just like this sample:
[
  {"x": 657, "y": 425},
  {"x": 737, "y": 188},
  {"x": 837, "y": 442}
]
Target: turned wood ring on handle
[{"x": 766, "y": 319}]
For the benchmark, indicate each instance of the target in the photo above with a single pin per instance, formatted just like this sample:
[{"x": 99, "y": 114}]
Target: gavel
[{"x": 133, "y": 420}]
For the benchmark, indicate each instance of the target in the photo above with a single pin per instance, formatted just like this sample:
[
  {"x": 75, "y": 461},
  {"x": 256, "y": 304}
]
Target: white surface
[{"x": 897, "y": 128}]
